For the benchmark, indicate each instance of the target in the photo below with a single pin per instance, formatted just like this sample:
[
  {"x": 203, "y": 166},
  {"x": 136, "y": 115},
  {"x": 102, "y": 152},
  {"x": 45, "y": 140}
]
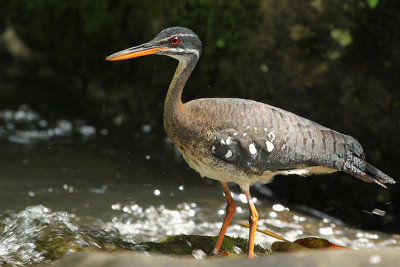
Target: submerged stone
[{"x": 186, "y": 244}]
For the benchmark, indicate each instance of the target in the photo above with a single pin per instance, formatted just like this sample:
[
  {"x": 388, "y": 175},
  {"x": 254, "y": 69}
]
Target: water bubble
[
  {"x": 278, "y": 207},
  {"x": 325, "y": 231},
  {"x": 237, "y": 250},
  {"x": 63, "y": 127},
  {"x": 19, "y": 115},
  {"x": 8, "y": 115},
  {"x": 125, "y": 209},
  {"x": 243, "y": 198},
  {"x": 10, "y": 126},
  {"x": 104, "y": 131},
  {"x": 298, "y": 219},
  {"x": 157, "y": 192},
  {"x": 273, "y": 214},
  {"x": 199, "y": 254},
  {"x": 101, "y": 190},
  {"x": 43, "y": 123},
  {"x": 120, "y": 118},
  {"x": 87, "y": 130},
  {"x": 116, "y": 206},
  {"x": 146, "y": 128},
  {"x": 325, "y": 220}
]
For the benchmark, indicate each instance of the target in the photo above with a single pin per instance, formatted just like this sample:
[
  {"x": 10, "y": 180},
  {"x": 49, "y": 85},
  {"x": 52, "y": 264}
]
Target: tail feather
[{"x": 366, "y": 172}]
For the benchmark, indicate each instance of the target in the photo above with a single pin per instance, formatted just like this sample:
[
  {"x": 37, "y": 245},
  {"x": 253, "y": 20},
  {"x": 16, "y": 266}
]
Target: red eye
[{"x": 175, "y": 40}]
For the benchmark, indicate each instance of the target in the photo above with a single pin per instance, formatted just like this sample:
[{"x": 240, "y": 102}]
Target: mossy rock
[{"x": 185, "y": 244}]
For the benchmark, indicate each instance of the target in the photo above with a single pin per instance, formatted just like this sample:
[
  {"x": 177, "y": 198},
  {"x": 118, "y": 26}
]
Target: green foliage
[
  {"x": 343, "y": 37},
  {"x": 372, "y": 3}
]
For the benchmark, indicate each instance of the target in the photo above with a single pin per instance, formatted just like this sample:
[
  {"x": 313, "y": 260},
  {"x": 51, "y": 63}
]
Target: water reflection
[{"x": 24, "y": 126}]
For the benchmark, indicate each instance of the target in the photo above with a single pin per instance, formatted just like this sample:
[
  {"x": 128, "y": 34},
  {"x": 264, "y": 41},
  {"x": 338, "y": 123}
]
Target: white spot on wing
[
  {"x": 228, "y": 154},
  {"x": 271, "y": 136},
  {"x": 234, "y": 134},
  {"x": 223, "y": 141},
  {"x": 252, "y": 149},
  {"x": 269, "y": 145},
  {"x": 229, "y": 140},
  {"x": 213, "y": 148}
]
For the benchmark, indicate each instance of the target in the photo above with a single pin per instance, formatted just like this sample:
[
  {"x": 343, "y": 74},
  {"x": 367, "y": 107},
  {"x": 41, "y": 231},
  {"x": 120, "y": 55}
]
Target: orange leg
[
  {"x": 253, "y": 218},
  {"x": 230, "y": 210}
]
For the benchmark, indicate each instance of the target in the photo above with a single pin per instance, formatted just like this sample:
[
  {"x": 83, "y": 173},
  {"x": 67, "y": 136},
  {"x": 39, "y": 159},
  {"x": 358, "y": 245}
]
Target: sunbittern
[{"x": 243, "y": 141}]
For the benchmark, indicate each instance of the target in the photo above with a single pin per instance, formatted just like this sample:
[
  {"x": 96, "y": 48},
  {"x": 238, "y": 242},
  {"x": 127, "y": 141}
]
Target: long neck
[{"x": 173, "y": 108}]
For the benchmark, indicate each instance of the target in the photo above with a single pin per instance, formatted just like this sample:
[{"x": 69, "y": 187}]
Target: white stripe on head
[
  {"x": 188, "y": 50},
  {"x": 184, "y": 34}
]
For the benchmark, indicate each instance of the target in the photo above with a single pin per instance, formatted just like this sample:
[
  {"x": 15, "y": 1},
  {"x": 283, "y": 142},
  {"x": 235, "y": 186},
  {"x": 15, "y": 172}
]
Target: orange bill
[{"x": 137, "y": 51}]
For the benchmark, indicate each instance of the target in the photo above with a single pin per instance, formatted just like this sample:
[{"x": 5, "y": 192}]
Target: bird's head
[{"x": 177, "y": 42}]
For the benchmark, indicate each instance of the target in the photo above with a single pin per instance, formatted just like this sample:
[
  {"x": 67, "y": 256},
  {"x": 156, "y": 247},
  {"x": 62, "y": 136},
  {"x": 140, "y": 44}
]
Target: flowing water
[{"x": 65, "y": 187}]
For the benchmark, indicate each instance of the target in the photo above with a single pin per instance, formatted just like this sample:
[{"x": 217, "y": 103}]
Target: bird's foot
[
  {"x": 251, "y": 255},
  {"x": 221, "y": 253}
]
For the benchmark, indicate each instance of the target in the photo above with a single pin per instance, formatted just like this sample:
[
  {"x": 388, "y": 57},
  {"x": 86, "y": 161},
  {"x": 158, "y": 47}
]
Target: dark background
[{"x": 334, "y": 62}]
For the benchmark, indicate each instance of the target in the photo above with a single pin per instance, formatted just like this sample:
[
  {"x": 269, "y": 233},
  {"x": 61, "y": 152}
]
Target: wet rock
[{"x": 186, "y": 244}]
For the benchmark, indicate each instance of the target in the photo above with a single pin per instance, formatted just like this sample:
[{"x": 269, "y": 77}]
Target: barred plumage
[{"x": 280, "y": 139}]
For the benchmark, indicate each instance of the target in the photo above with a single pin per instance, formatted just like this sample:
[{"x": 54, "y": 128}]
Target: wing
[
  {"x": 277, "y": 140},
  {"x": 257, "y": 150}
]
